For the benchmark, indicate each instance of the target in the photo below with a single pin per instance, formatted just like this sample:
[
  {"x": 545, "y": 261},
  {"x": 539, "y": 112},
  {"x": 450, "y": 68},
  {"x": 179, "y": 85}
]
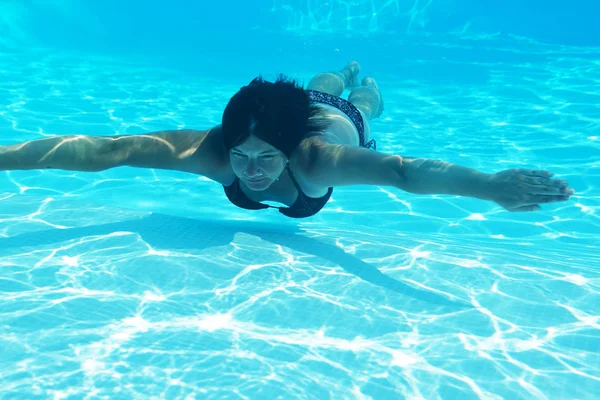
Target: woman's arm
[
  {"x": 72, "y": 152},
  {"x": 186, "y": 150},
  {"x": 426, "y": 176},
  {"x": 514, "y": 189}
]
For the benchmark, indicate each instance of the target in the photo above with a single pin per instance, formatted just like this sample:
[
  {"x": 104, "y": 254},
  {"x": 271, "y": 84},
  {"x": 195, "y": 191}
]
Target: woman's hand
[{"x": 525, "y": 190}]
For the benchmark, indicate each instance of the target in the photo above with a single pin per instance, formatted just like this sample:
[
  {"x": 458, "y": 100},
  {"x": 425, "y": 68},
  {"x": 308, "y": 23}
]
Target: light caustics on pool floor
[{"x": 147, "y": 283}]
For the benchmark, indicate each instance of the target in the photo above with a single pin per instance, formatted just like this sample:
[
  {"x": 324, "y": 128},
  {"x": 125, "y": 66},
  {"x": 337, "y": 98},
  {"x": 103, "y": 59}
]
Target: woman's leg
[
  {"x": 367, "y": 98},
  {"x": 334, "y": 83}
]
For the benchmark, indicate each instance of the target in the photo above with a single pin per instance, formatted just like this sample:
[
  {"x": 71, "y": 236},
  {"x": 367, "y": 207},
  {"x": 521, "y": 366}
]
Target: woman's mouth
[{"x": 255, "y": 180}]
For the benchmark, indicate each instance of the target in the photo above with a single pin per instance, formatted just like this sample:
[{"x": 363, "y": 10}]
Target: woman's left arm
[{"x": 513, "y": 189}]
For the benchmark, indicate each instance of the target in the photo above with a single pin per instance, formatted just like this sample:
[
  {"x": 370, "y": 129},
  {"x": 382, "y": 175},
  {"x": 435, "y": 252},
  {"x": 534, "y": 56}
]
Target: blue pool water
[{"x": 149, "y": 284}]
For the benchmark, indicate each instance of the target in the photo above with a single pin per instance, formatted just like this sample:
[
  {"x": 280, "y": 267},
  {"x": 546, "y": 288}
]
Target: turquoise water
[{"x": 134, "y": 283}]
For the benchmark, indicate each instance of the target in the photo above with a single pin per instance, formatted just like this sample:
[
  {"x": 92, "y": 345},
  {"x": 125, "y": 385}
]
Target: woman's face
[{"x": 257, "y": 163}]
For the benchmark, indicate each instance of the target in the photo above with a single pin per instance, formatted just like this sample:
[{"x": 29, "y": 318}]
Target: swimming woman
[{"x": 280, "y": 142}]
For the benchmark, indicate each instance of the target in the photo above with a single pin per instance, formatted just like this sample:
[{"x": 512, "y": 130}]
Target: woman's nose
[{"x": 252, "y": 169}]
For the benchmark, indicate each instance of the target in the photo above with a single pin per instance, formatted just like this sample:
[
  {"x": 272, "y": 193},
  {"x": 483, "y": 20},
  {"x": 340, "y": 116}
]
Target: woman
[{"x": 279, "y": 142}]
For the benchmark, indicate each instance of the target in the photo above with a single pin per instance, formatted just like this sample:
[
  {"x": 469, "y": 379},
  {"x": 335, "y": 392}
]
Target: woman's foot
[
  {"x": 350, "y": 74},
  {"x": 370, "y": 82}
]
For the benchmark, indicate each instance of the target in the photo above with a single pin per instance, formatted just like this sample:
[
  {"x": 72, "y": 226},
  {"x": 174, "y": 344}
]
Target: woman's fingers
[
  {"x": 543, "y": 180},
  {"x": 536, "y": 199},
  {"x": 543, "y": 190},
  {"x": 521, "y": 190},
  {"x": 535, "y": 172},
  {"x": 549, "y": 190},
  {"x": 540, "y": 184}
]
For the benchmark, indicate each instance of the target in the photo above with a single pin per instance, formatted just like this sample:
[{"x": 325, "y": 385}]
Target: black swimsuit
[{"x": 304, "y": 206}]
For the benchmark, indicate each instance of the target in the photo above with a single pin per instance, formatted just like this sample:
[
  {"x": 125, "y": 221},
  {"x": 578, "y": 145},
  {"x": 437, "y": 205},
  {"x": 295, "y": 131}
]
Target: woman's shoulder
[
  {"x": 301, "y": 162},
  {"x": 212, "y": 158}
]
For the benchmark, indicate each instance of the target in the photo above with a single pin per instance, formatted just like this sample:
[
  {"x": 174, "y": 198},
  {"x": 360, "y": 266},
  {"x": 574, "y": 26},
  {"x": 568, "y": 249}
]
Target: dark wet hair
[{"x": 280, "y": 113}]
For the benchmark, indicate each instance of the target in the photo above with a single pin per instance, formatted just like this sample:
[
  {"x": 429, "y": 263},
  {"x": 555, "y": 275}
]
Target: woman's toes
[{"x": 350, "y": 72}]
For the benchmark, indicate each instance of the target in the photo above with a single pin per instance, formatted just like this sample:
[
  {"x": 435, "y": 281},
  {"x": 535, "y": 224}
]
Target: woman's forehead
[{"x": 254, "y": 144}]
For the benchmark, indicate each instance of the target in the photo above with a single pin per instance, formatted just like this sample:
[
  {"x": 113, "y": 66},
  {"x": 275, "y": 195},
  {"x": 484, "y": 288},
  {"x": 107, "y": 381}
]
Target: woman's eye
[{"x": 265, "y": 157}]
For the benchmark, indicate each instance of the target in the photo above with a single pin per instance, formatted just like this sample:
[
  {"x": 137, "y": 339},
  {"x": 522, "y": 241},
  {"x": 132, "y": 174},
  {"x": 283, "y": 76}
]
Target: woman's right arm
[{"x": 198, "y": 152}]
